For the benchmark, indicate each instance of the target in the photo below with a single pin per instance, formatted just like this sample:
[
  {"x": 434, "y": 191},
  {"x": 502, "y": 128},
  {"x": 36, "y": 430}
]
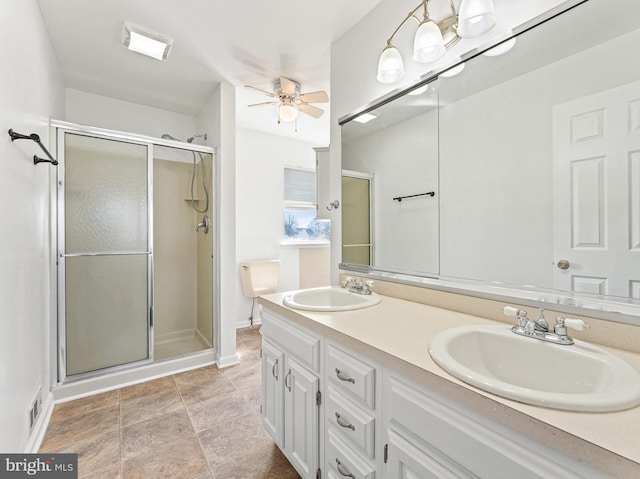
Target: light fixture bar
[
  {"x": 473, "y": 18},
  {"x": 147, "y": 42}
]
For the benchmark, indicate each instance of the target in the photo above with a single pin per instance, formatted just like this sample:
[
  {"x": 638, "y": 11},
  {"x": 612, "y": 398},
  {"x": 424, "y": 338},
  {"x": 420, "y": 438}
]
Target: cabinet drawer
[
  {"x": 350, "y": 420},
  {"x": 304, "y": 346},
  {"x": 352, "y": 374},
  {"x": 344, "y": 461}
]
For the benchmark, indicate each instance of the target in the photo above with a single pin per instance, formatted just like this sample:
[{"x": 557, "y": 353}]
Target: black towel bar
[
  {"x": 400, "y": 198},
  {"x": 34, "y": 137}
]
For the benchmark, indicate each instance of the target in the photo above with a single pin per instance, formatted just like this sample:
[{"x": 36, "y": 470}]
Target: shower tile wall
[{"x": 175, "y": 253}]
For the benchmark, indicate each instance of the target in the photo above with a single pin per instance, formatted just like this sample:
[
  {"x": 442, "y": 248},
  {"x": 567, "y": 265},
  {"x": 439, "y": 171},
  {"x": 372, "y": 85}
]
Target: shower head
[
  {"x": 166, "y": 136},
  {"x": 197, "y": 135}
]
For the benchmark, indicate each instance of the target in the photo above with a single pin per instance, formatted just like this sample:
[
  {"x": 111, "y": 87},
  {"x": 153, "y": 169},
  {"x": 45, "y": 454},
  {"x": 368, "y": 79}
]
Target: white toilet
[{"x": 259, "y": 277}]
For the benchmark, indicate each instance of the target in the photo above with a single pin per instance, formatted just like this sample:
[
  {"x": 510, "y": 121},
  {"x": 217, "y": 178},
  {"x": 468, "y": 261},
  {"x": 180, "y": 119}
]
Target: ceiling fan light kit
[
  {"x": 434, "y": 38},
  {"x": 289, "y": 100}
]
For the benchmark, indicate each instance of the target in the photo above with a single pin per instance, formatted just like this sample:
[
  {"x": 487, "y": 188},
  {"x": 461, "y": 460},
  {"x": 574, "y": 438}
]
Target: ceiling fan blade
[
  {"x": 287, "y": 86},
  {"x": 310, "y": 110},
  {"x": 315, "y": 97},
  {"x": 265, "y": 103},
  {"x": 263, "y": 91}
]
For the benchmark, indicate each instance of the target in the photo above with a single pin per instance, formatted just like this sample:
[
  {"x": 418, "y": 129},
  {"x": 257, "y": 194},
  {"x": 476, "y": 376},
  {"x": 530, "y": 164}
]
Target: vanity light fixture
[
  {"x": 366, "y": 117},
  {"x": 433, "y": 38},
  {"x": 142, "y": 40}
]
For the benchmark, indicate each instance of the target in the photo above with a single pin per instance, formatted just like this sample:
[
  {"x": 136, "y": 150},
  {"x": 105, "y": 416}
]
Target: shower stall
[{"x": 135, "y": 242}]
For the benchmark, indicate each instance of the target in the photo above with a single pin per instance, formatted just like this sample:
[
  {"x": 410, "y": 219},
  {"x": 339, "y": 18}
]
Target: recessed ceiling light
[
  {"x": 366, "y": 117},
  {"x": 142, "y": 40}
]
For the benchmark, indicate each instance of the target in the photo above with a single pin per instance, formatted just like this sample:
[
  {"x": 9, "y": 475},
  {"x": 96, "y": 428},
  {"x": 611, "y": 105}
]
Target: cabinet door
[
  {"x": 273, "y": 391},
  {"x": 301, "y": 418},
  {"x": 406, "y": 461}
]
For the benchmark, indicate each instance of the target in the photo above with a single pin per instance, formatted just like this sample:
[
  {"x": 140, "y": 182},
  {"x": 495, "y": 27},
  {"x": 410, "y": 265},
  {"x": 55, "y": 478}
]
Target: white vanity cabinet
[
  {"x": 352, "y": 414},
  {"x": 291, "y": 371},
  {"x": 427, "y": 435}
]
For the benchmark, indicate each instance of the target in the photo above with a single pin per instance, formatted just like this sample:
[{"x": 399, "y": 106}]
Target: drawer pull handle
[
  {"x": 274, "y": 371},
  {"x": 341, "y": 377},
  {"x": 286, "y": 380},
  {"x": 342, "y": 423},
  {"x": 341, "y": 470}
]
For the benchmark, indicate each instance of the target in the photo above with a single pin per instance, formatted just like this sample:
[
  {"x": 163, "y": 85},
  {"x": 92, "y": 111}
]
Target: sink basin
[
  {"x": 329, "y": 298},
  {"x": 580, "y": 377}
]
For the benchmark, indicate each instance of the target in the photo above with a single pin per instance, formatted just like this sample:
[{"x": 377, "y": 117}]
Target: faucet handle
[
  {"x": 510, "y": 311},
  {"x": 577, "y": 324}
]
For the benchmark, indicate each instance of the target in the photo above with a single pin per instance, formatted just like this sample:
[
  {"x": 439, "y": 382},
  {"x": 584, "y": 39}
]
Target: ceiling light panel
[{"x": 147, "y": 42}]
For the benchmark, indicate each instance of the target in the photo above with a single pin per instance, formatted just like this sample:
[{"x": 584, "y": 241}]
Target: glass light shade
[
  {"x": 501, "y": 49},
  {"x": 475, "y": 17},
  {"x": 428, "y": 44},
  {"x": 287, "y": 112},
  {"x": 390, "y": 65}
]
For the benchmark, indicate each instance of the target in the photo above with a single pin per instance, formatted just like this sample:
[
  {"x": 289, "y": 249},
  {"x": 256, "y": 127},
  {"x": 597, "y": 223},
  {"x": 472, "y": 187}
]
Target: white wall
[
  {"x": 218, "y": 118},
  {"x": 31, "y": 90},
  {"x": 96, "y": 110},
  {"x": 261, "y": 159}
]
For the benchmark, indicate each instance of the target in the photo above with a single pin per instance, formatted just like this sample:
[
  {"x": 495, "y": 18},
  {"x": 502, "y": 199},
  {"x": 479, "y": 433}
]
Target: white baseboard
[
  {"x": 226, "y": 361},
  {"x": 40, "y": 427},
  {"x": 247, "y": 323}
]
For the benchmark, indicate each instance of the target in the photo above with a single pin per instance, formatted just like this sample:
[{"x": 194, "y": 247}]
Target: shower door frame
[{"x": 59, "y": 128}]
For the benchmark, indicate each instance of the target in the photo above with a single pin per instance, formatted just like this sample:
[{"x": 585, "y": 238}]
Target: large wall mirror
[{"x": 533, "y": 157}]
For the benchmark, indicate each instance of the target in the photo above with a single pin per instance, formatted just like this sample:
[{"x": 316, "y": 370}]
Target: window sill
[{"x": 305, "y": 244}]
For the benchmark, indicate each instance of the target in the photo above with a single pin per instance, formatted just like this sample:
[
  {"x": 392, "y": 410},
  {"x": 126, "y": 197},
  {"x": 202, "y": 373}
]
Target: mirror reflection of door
[
  {"x": 357, "y": 214},
  {"x": 597, "y": 193}
]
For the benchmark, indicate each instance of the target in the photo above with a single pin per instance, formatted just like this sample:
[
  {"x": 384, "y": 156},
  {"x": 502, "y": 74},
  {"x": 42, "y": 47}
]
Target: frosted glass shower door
[{"x": 105, "y": 253}]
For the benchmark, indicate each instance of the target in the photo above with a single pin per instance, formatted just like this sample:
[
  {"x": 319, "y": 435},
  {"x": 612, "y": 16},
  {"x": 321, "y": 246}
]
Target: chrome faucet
[
  {"x": 357, "y": 286},
  {"x": 204, "y": 224},
  {"x": 539, "y": 329}
]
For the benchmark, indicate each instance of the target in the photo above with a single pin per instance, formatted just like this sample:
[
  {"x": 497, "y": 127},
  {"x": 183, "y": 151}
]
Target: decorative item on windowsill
[
  {"x": 34, "y": 137},
  {"x": 433, "y": 39}
]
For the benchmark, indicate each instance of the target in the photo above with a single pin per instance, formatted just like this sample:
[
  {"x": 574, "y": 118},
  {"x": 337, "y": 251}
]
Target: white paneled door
[{"x": 596, "y": 148}]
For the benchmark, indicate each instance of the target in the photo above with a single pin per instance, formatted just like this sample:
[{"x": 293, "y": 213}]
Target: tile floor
[{"x": 201, "y": 424}]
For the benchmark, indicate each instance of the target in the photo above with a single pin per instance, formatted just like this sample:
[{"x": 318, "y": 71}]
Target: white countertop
[{"x": 396, "y": 333}]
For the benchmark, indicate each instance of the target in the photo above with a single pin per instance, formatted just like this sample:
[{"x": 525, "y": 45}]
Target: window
[{"x": 300, "y": 223}]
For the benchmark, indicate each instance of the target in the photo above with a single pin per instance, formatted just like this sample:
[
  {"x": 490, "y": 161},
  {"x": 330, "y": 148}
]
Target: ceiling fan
[{"x": 286, "y": 94}]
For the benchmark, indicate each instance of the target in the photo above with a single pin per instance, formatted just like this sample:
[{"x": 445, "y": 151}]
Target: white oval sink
[
  {"x": 329, "y": 298},
  {"x": 579, "y": 377}
]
